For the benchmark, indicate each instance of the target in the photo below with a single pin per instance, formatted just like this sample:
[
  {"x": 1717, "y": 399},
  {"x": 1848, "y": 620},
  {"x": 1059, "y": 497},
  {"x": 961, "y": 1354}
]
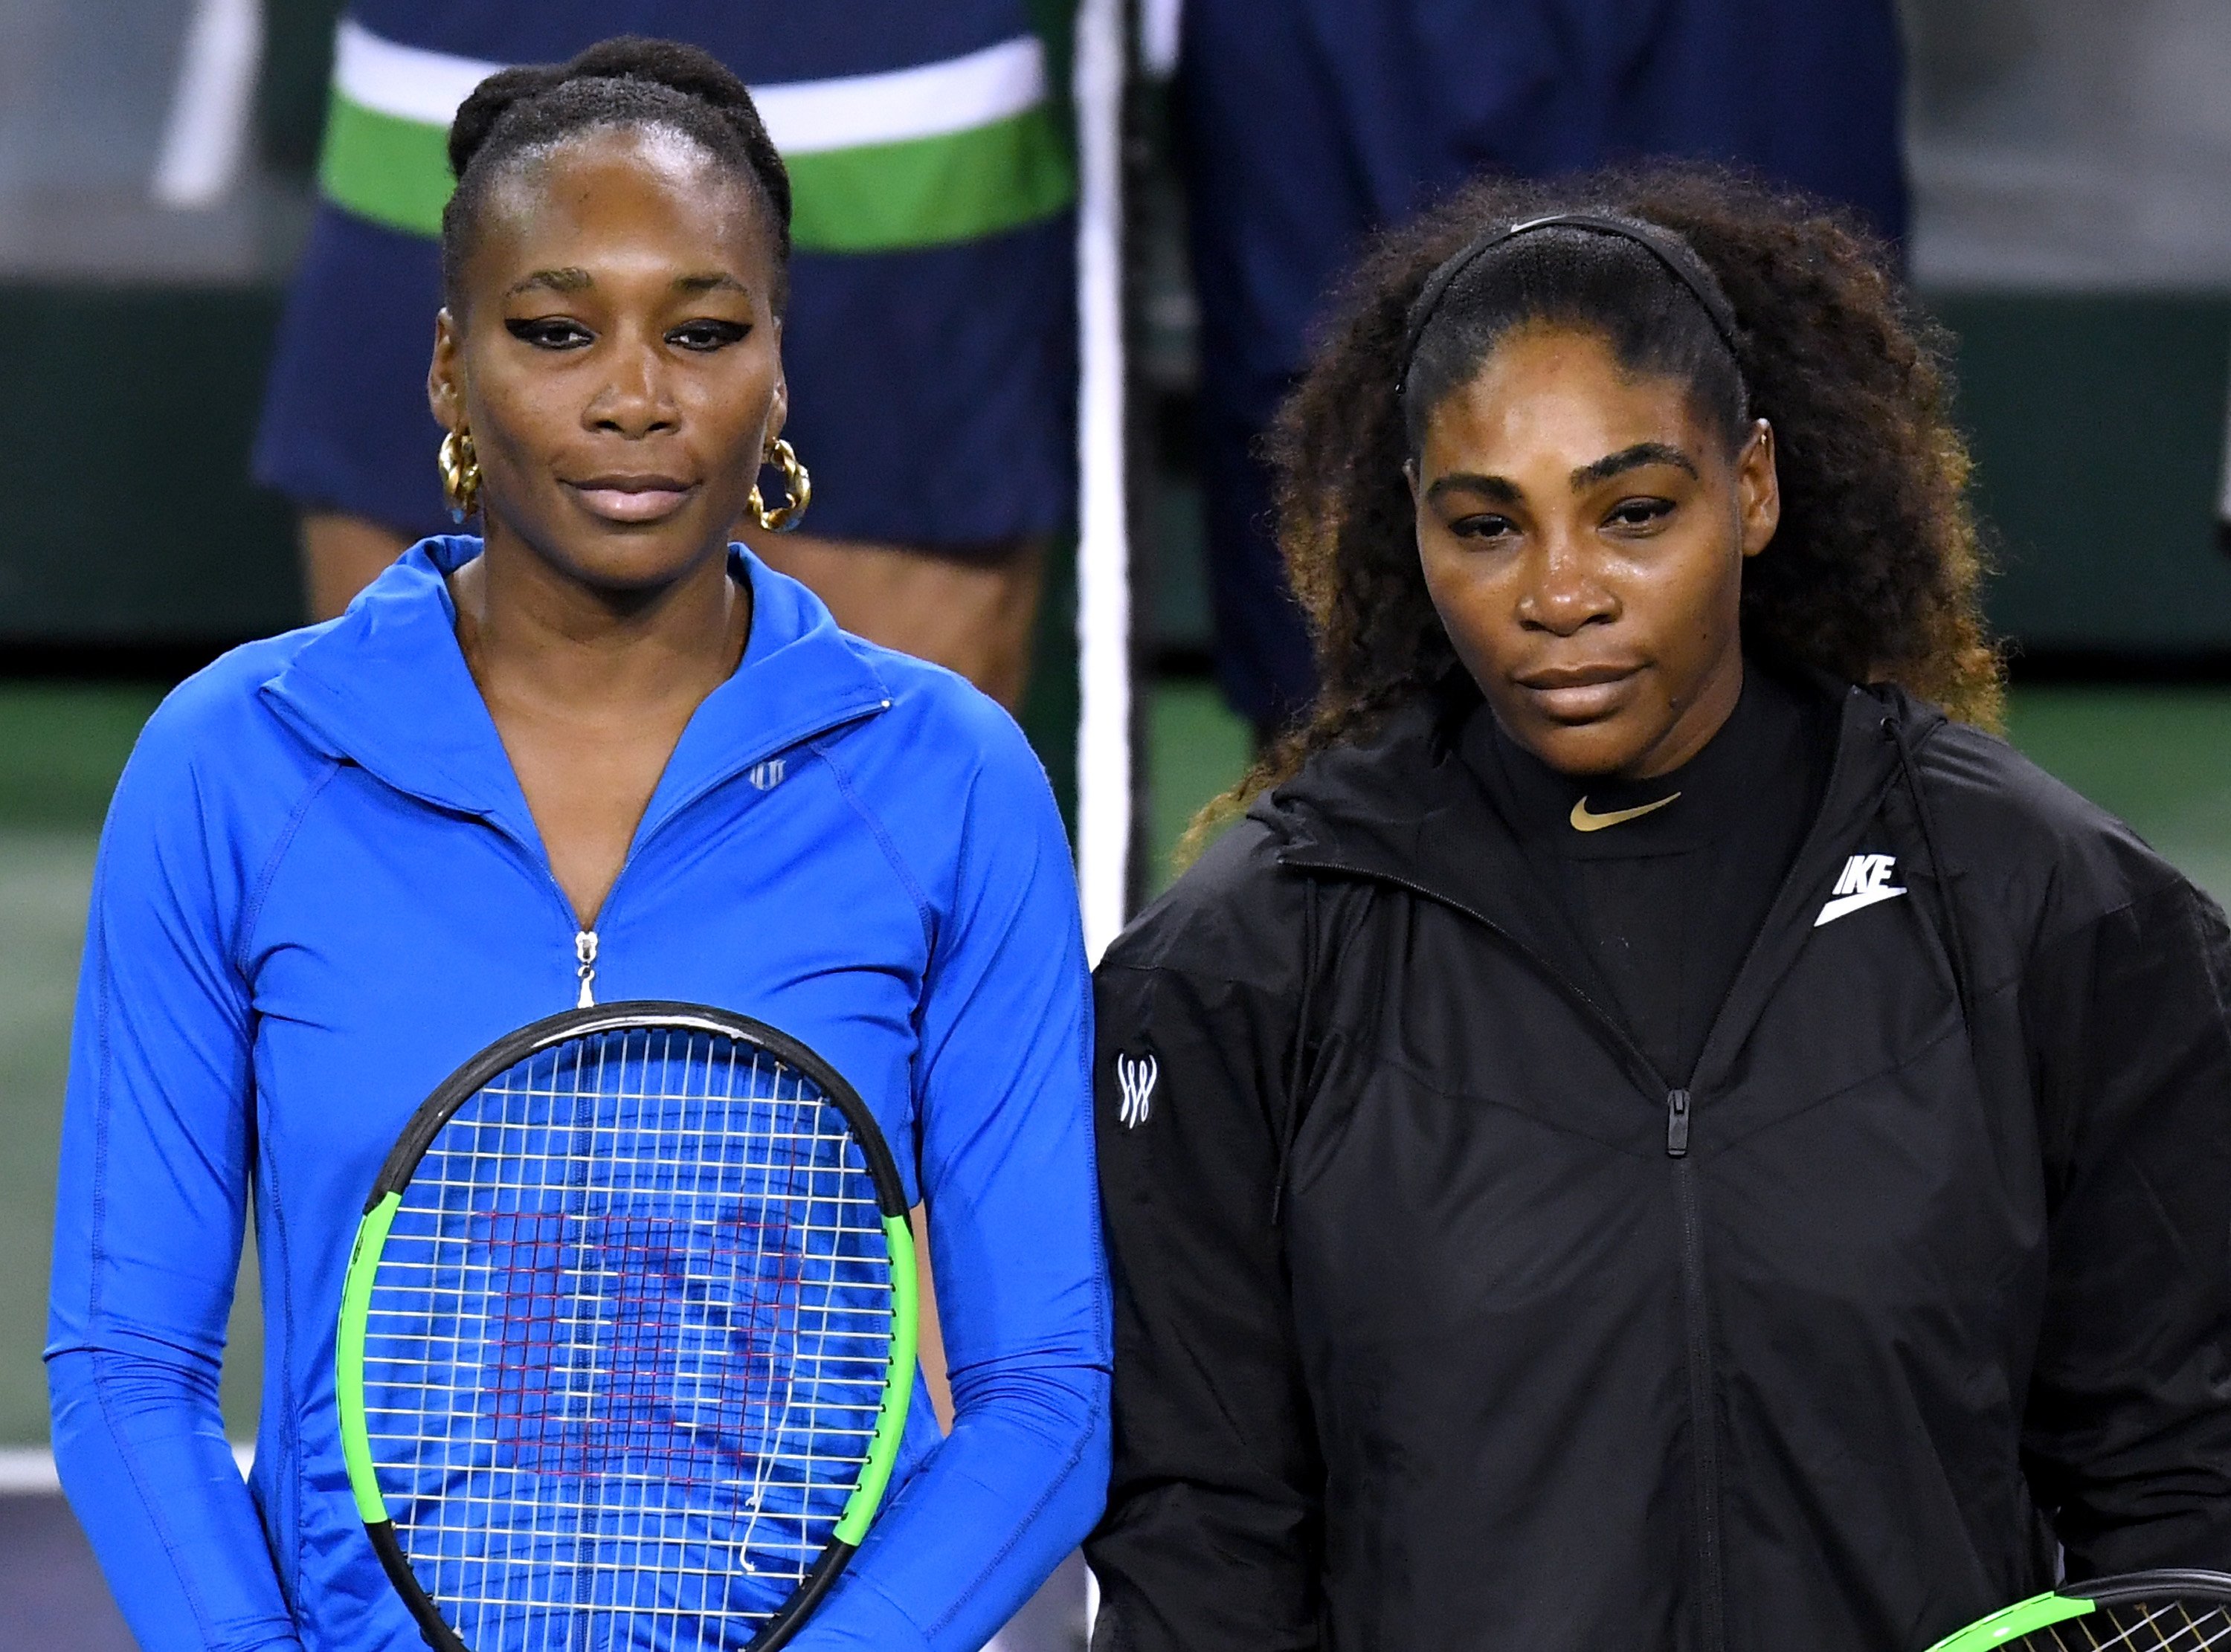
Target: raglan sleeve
[
  {"x": 2128, "y": 1435},
  {"x": 153, "y": 1194},
  {"x": 1211, "y": 1542},
  {"x": 1005, "y": 1140}
]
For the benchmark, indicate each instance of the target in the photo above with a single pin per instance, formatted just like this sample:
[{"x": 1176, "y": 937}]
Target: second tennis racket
[{"x": 2140, "y": 1611}]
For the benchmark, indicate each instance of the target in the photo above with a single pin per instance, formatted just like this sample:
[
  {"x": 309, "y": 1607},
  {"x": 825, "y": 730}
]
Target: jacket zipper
[
  {"x": 1696, "y": 1315},
  {"x": 585, "y": 956},
  {"x": 584, "y": 939},
  {"x": 1697, "y": 1330},
  {"x": 1705, "y": 1454},
  {"x": 1703, "y": 1422}
]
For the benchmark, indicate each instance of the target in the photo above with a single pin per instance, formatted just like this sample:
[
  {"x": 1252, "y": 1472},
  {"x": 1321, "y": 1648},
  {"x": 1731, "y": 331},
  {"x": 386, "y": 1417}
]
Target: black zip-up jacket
[{"x": 1445, "y": 1322}]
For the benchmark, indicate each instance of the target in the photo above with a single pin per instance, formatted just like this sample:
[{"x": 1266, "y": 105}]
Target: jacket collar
[
  {"x": 385, "y": 686},
  {"x": 1404, "y": 808}
]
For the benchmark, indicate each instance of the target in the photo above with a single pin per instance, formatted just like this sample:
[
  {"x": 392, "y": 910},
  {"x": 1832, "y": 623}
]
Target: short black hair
[{"x": 626, "y": 81}]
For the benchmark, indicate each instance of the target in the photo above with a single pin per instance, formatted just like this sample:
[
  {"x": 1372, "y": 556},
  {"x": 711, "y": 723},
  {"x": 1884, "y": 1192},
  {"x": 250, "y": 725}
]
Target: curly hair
[
  {"x": 1874, "y": 573},
  {"x": 629, "y": 80}
]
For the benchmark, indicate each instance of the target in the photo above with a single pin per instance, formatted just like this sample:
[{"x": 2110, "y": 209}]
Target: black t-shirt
[{"x": 1662, "y": 884}]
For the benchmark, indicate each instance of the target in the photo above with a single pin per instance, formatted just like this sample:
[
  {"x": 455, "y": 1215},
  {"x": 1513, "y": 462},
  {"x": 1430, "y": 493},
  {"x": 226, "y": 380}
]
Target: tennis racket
[
  {"x": 627, "y": 1338},
  {"x": 2142, "y": 1611}
]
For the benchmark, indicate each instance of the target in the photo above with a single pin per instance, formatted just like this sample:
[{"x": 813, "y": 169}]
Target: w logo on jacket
[{"x": 1136, "y": 1076}]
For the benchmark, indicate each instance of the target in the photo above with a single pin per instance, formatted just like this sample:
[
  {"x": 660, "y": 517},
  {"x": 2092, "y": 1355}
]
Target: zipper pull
[
  {"x": 584, "y": 951},
  {"x": 1677, "y": 1120}
]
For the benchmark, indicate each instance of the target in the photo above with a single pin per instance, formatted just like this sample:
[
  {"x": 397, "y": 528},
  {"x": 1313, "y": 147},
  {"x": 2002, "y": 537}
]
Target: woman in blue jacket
[{"x": 601, "y": 754}]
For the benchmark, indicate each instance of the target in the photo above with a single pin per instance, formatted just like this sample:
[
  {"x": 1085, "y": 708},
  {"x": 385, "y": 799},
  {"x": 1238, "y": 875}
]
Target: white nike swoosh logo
[
  {"x": 1585, "y": 821},
  {"x": 1843, "y": 905}
]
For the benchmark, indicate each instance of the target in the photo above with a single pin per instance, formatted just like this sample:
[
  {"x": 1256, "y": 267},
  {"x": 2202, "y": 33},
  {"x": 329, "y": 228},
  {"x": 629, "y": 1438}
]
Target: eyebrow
[
  {"x": 1465, "y": 482},
  {"x": 1506, "y": 492},
  {"x": 569, "y": 280},
  {"x": 1633, "y": 458},
  {"x": 573, "y": 278}
]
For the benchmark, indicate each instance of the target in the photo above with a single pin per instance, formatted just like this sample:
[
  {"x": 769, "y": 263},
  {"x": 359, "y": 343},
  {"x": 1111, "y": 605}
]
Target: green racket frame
[
  {"x": 387, "y": 1199},
  {"x": 2010, "y": 1623}
]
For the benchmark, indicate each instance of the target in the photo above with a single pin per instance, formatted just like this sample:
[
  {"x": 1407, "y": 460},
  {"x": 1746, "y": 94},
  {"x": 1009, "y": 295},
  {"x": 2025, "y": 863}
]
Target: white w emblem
[
  {"x": 1135, "y": 1075},
  {"x": 768, "y": 775}
]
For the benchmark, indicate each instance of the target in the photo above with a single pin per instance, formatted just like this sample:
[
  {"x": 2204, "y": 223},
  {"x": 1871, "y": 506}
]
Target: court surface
[{"x": 2159, "y": 757}]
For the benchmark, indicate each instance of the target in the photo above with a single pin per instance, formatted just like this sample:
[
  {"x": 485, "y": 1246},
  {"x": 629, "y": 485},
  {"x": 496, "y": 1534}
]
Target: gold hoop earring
[
  {"x": 460, "y": 474},
  {"x": 796, "y": 482}
]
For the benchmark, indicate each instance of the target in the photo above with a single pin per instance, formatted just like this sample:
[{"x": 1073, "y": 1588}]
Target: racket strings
[
  {"x": 628, "y": 1340},
  {"x": 2140, "y": 1626},
  {"x": 654, "y": 1384}
]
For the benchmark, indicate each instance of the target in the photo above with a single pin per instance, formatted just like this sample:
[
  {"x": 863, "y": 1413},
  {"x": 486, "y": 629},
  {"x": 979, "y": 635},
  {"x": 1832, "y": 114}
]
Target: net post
[{"x": 1105, "y": 755}]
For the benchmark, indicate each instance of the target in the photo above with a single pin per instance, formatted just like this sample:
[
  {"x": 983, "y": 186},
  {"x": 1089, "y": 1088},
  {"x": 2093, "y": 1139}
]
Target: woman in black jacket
[{"x": 1651, "y": 1133}]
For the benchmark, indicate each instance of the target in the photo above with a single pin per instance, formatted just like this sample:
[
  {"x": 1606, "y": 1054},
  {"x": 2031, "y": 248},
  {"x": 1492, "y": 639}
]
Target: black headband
[{"x": 1667, "y": 247}]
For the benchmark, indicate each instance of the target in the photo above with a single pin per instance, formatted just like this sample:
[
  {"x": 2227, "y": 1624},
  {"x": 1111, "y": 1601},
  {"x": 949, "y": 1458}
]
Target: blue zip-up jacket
[{"x": 320, "y": 890}]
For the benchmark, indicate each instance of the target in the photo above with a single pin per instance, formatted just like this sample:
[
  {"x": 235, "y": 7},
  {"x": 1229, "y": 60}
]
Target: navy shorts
[{"x": 930, "y": 343}]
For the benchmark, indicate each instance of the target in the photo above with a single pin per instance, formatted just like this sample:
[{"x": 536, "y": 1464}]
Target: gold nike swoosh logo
[{"x": 1585, "y": 821}]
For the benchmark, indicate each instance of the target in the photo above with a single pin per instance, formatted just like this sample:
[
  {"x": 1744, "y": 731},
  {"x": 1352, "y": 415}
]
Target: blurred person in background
[
  {"x": 1306, "y": 125},
  {"x": 932, "y": 332}
]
